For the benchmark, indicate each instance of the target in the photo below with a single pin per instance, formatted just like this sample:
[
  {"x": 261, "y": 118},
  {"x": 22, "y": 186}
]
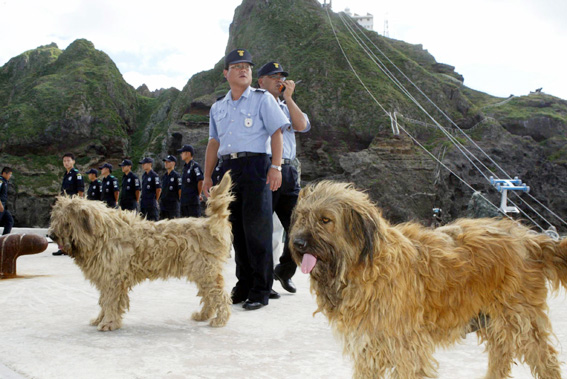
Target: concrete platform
[{"x": 45, "y": 334}]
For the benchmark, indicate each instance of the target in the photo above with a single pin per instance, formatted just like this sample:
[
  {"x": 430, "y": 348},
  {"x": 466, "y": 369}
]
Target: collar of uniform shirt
[{"x": 245, "y": 94}]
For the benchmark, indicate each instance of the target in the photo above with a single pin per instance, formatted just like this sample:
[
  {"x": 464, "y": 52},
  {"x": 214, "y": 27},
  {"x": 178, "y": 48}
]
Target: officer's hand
[
  {"x": 1, "y": 208},
  {"x": 289, "y": 88},
  {"x": 274, "y": 179},
  {"x": 207, "y": 184}
]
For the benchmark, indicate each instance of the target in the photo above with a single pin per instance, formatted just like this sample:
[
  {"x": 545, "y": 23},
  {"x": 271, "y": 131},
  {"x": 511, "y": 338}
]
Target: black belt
[
  {"x": 286, "y": 161},
  {"x": 240, "y": 155}
]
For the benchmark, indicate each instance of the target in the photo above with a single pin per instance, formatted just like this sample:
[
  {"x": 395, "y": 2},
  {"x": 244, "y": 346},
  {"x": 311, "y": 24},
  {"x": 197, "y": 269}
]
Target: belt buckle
[{"x": 233, "y": 155}]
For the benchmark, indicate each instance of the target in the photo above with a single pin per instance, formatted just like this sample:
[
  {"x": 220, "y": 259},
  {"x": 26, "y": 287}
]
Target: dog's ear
[
  {"x": 364, "y": 226},
  {"x": 84, "y": 220}
]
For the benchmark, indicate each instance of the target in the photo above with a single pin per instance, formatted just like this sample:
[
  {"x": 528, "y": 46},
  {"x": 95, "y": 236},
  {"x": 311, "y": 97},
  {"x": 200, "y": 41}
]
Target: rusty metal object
[{"x": 14, "y": 245}]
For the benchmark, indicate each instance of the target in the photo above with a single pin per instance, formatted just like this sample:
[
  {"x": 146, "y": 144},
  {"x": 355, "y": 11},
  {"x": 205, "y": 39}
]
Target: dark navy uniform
[
  {"x": 6, "y": 219},
  {"x": 95, "y": 190},
  {"x": 148, "y": 203},
  {"x": 109, "y": 186},
  {"x": 72, "y": 183},
  {"x": 169, "y": 198},
  {"x": 130, "y": 184},
  {"x": 242, "y": 128},
  {"x": 190, "y": 202}
]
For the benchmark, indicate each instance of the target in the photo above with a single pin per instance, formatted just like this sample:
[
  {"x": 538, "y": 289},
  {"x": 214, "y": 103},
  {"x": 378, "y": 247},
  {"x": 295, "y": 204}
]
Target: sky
[{"x": 501, "y": 47}]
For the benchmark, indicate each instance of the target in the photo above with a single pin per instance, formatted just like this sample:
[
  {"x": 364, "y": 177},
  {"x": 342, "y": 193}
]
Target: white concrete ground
[{"x": 44, "y": 333}]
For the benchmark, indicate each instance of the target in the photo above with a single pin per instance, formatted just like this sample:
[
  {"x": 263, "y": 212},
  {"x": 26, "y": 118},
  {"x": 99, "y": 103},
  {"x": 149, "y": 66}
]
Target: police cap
[
  {"x": 188, "y": 148},
  {"x": 106, "y": 165},
  {"x": 170, "y": 158},
  {"x": 92, "y": 171},
  {"x": 147, "y": 160},
  {"x": 271, "y": 68},
  {"x": 125, "y": 162},
  {"x": 237, "y": 56}
]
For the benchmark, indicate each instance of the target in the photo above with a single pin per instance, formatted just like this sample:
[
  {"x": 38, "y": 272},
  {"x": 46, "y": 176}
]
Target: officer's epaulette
[
  {"x": 74, "y": 169},
  {"x": 220, "y": 97},
  {"x": 258, "y": 89}
]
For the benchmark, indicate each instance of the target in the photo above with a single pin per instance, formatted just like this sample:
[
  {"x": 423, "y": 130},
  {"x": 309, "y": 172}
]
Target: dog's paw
[
  {"x": 107, "y": 326},
  {"x": 218, "y": 322},
  {"x": 200, "y": 316}
]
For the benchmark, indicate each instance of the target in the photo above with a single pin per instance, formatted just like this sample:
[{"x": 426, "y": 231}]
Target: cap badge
[
  {"x": 240, "y": 52},
  {"x": 276, "y": 65}
]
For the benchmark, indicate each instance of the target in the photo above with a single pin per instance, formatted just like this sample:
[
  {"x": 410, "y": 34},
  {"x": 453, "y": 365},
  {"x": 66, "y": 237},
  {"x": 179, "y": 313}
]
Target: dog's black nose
[{"x": 300, "y": 243}]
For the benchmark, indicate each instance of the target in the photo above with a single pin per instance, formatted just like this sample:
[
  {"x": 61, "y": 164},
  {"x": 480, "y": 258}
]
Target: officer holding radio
[{"x": 272, "y": 78}]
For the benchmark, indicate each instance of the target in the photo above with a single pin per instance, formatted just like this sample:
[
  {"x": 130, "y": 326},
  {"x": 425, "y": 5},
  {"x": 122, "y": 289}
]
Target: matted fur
[
  {"x": 118, "y": 249},
  {"x": 395, "y": 293}
]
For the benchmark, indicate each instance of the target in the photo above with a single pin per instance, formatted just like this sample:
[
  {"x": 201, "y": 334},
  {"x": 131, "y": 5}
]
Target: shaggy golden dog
[
  {"x": 395, "y": 293},
  {"x": 118, "y": 249}
]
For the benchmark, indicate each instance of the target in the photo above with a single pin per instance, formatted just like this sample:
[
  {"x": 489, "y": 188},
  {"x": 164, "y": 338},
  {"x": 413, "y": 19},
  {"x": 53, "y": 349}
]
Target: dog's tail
[
  {"x": 553, "y": 256},
  {"x": 221, "y": 197}
]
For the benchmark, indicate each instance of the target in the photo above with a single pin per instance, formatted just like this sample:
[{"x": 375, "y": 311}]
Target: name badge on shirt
[{"x": 248, "y": 122}]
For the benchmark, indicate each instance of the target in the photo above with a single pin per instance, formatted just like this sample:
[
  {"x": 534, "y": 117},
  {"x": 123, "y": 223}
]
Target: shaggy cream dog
[
  {"x": 118, "y": 249},
  {"x": 395, "y": 293}
]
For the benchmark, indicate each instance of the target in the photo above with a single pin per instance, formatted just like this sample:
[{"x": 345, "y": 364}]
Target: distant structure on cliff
[{"x": 366, "y": 22}]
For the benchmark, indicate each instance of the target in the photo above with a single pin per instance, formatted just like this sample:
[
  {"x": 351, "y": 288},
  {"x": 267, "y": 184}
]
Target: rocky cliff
[{"x": 53, "y": 100}]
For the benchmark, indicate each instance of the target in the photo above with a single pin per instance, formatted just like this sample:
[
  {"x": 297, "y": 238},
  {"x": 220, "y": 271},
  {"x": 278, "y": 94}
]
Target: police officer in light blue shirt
[
  {"x": 239, "y": 127},
  {"x": 272, "y": 78}
]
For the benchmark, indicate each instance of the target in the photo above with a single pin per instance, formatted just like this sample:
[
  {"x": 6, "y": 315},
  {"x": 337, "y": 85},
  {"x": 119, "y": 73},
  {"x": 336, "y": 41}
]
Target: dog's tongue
[{"x": 307, "y": 263}]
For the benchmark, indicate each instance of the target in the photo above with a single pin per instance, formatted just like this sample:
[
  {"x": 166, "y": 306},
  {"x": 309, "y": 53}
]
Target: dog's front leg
[
  {"x": 113, "y": 302},
  {"x": 215, "y": 299}
]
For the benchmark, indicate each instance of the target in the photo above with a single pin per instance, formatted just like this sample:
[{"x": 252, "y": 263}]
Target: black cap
[
  {"x": 106, "y": 165},
  {"x": 92, "y": 171},
  {"x": 147, "y": 160},
  {"x": 125, "y": 162},
  {"x": 170, "y": 158},
  {"x": 271, "y": 68},
  {"x": 237, "y": 56},
  {"x": 188, "y": 148}
]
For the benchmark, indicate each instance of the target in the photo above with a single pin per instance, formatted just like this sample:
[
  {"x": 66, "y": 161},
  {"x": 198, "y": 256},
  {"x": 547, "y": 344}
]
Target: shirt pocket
[{"x": 219, "y": 115}]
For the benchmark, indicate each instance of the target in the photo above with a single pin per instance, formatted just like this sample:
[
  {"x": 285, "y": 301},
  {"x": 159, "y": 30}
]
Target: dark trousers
[
  {"x": 129, "y": 205},
  {"x": 168, "y": 214},
  {"x": 151, "y": 213},
  {"x": 283, "y": 202},
  {"x": 251, "y": 218},
  {"x": 191, "y": 210},
  {"x": 7, "y": 221}
]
